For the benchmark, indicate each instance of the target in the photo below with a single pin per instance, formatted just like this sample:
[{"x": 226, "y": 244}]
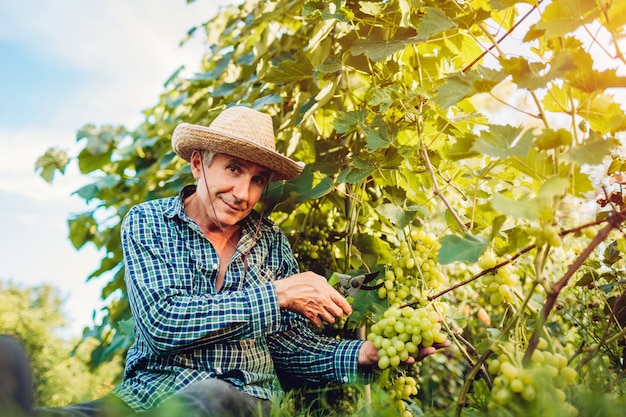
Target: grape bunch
[
  {"x": 540, "y": 385},
  {"x": 416, "y": 268},
  {"x": 499, "y": 284},
  {"x": 313, "y": 250},
  {"x": 400, "y": 389},
  {"x": 545, "y": 234},
  {"x": 400, "y": 333}
]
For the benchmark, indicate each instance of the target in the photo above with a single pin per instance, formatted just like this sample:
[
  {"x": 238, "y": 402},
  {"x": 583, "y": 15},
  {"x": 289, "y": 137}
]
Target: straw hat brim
[{"x": 188, "y": 137}]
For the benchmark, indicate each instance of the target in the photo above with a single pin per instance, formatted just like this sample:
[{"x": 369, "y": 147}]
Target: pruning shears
[{"x": 351, "y": 284}]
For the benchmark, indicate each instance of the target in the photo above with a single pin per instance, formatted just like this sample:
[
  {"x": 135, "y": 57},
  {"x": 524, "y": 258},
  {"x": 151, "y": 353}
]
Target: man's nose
[{"x": 241, "y": 190}]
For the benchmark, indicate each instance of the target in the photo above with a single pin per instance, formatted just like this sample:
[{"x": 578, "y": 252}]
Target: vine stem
[
  {"x": 437, "y": 191},
  {"x": 555, "y": 289}
]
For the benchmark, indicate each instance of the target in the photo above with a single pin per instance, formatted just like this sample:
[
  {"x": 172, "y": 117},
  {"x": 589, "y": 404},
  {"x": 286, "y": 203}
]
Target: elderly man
[{"x": 218, "y": 301}]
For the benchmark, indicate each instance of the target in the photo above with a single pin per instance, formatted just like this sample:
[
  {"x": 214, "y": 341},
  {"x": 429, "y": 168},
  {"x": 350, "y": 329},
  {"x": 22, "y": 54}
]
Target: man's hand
[
  {"x": 310, "y": 295},
  {"x": 368, "y": 355}
]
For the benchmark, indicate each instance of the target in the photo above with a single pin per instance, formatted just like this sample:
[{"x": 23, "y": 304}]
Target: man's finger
[
  {"x": 340, "y": 301},
  {"x": 425, "y": 352}
]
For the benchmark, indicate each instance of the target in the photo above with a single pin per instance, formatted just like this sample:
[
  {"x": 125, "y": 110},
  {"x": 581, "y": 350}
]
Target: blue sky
[{"x": 64, "y": 64}]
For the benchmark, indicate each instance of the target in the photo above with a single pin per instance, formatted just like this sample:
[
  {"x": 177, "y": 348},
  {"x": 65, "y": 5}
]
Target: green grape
[
  {"x": 499, "y": 285},
  {"x": 400, "y": 333},
  {"x": 401, "y": 388},
  {"x": 488, "y": 260},
  {"x": 548, "y": 373}
]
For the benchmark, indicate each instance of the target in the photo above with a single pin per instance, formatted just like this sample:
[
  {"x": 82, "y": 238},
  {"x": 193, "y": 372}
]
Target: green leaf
[
  {"x": 528, "y": 209},
  {"x": 535, "y": 75},
  {"x": 433, "y": 22},
  {"x": 378, "y": 49},
  {"x": 382, "y": 137},
  {"x": 290, "y": 70},
  {"x": 590, "y": 80},
  {"x": 324, "y": 187},
  {"x": 531, "y": 208},
  {"x": 398, "y": 216},
  {"x": 553, "y": 187},
  {"x": 127, "y": 327},
  {"x": 501, "y": 141},
  {"x": 616, "y": 16},
  {"x": 464, "y": 249},
  {"x": 82, "y": 229},
  {"x": 265, "y": 101},
  {"x": 372, "y": 8},
  {"x": 563, "y": 16},
  {"x": 98, "y": 142},
  {"x": 592, "y": 152},
  {"x": 603, "y": 114},
  {"x": 217, "y": 70},
  {"x": 53, "y": 160},
  {"x": 355, "y": 174},
  {"x": 461, "y": 85},
  {"x": 348, "y": 121}
]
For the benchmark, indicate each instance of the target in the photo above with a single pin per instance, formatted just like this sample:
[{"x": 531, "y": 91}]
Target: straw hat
[{"x": 238, "y": 131}]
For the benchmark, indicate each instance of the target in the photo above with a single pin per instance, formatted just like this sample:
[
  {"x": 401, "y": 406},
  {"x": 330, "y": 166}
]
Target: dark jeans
[
  {"x": 211, "y": 397},
  {"x": 208, "y": 398}
]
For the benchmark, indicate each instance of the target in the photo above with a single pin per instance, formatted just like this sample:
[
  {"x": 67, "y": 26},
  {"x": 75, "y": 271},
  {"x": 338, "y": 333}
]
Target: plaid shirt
[{"x": 186, "y": 330}]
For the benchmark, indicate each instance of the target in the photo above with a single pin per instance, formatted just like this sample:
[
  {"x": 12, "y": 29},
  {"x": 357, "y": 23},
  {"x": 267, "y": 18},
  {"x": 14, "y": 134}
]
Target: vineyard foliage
[{"x": 470, "y": 151}]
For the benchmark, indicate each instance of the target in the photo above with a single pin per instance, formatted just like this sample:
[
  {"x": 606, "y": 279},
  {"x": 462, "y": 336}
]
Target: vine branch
[{"x": 437, "y": 191}]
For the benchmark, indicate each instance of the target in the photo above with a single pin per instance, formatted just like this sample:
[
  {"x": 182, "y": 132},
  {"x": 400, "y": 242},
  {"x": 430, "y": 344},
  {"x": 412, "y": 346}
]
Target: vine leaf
[
  {"x": 500, "y": 141},
  {"x": 461, "y": 85},
  {"x": 53, "y": 160},
  {"x": 465, "y": 249},
  {"x": 532, "y": 208},
  {"x": 562, "y": 17},
  {"x": 592, "y": 152},
  {"x": 396, "y": 214},
  {"x": 433, "y": 22},
  {"x": 290, "y": 70},
  {"x": 603, "y": 114}
]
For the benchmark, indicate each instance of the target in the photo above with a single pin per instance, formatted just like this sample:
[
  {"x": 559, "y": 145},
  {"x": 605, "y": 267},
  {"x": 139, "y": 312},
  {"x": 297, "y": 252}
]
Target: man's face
[{"x": 230, "y": 187}]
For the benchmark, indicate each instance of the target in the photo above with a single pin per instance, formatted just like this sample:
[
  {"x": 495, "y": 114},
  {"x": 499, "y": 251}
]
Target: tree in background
[
  {"x": 469, "y": 151},
  {"x": 61, "y": 376}
]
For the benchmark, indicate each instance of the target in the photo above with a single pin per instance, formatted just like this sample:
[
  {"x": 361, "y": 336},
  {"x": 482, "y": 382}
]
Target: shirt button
[
  {"x": 345, "y": 379},
  {"x": 215, "y": 266}
]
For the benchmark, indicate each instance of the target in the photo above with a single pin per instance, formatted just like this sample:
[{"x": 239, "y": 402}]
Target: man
[
  {"x": 214, "y": 288},
  {"x": 218, "y": 302}
]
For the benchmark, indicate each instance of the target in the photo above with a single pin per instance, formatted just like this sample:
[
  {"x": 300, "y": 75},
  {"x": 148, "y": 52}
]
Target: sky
[{"x": 65, "y": 64}]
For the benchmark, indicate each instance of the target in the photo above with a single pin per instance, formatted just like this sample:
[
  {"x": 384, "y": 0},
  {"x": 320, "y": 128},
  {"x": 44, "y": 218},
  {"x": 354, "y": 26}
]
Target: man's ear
[{"x": 196, "y": 163}]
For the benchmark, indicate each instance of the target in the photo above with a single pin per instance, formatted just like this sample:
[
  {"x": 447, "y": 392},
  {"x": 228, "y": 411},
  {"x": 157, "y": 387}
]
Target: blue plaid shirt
[{"x": 187, "y": 331}]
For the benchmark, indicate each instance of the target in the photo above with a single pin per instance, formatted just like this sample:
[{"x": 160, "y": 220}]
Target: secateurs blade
[{"x": 353, "y": 283}]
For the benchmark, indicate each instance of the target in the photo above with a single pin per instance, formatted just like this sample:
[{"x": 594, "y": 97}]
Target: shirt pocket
[{"x": 258, "y": 276}]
